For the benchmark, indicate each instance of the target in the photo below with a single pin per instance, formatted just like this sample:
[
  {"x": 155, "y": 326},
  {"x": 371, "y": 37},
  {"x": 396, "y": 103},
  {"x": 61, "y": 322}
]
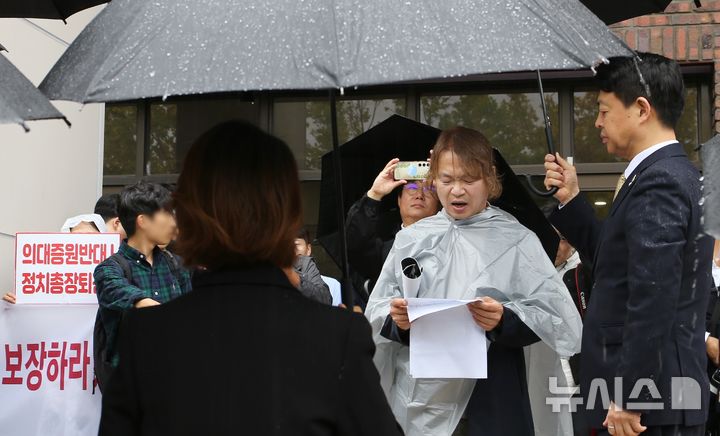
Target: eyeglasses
[{"x": 414, "y": 188}]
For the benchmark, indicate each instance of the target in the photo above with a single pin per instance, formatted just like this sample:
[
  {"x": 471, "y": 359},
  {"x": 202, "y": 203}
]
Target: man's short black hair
[
  {"x": 142, "y": 198},
  {"x": 661, "y": 75},
  {"x": 108, "y": 206},
  {"x": 304, "y": 234}
]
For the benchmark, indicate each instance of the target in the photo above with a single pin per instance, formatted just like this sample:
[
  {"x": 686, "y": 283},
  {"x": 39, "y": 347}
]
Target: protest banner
[
  {"x": 46, "y": 370},
  {"x": 57, "y": 268}
]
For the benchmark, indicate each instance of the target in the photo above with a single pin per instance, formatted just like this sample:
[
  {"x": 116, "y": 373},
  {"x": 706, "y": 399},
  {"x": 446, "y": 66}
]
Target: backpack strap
[
  {"x": 124, "y": 265},
  {"x": 174, "y": 265}
]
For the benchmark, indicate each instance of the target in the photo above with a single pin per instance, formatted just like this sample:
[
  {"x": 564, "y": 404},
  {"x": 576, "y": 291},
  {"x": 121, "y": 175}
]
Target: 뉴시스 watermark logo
[{"x": 685, "y": 394}]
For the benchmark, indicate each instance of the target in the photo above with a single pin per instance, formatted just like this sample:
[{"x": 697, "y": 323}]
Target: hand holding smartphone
[{"x": 415, "y": 170}]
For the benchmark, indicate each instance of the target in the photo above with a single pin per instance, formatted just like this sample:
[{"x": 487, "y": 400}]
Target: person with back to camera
[{"x": 245, "y": 352}]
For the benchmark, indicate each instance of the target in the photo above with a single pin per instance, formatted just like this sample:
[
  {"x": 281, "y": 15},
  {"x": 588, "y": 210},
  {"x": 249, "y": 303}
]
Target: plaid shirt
[{"x": 117, "y": 294}]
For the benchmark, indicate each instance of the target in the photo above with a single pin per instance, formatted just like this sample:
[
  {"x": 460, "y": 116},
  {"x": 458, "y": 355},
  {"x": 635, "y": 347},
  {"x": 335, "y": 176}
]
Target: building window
[
  {"x": 589, "y": 149},
  {"x": 687, "y": 129},
  {"x": 149, "y": 139},
  {"x": 168, "y": 130},
  {"x": 586, "y": 137},
  {"x": 305, "y": 125},
  {"x": 600, "y": 201},
  {"x": 163, "y": 150},
  {"x": 513, "y": 123},
  {"x": 120, "y": 152}
]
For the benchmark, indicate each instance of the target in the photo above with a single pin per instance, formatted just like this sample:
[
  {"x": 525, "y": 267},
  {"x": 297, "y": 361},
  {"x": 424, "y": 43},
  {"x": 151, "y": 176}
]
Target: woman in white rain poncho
[{"x": 471, "y": 250}]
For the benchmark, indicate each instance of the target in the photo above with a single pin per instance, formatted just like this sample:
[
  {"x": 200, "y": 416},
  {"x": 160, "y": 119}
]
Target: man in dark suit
[{"x": 643, "y": 333}]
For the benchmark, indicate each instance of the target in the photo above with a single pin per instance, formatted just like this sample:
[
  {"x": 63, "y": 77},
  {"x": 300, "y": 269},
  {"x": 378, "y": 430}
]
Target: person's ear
[
  {"x": 645, "y": 109},
  {"x": 140, "y": 222},
  {"x": 309, "y": 249}
]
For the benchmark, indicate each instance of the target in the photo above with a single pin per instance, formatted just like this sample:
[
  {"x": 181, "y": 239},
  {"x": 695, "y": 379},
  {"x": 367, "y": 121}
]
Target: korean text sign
[
  {"x": 46, "y": 370},
  {"x": 57, "y": 268}
]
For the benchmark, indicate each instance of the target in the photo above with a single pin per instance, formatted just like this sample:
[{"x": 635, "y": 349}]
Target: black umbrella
[
  {"x": 137, "y": 49},
  {"x": 614, "y": 11},
  {"x": 20, "y": 100},
  {"x": 365, "y": 155},
  {"x": 52, "y": 9}
]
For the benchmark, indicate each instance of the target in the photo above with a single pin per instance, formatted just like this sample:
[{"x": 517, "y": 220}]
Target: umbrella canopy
[
  {"x": 614, "y": 11},
  {"x": 365, "y": 155},
  {"x": 137, "y": 49},
  {"x": 710, "y": 152},
  {"x": 53, "y": 9},
  {"x": 20, "y": 100}
]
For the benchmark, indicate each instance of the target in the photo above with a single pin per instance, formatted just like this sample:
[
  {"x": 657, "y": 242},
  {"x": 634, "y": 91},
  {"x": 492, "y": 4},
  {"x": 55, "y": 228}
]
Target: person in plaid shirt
[{"x": 140, "y": 274}]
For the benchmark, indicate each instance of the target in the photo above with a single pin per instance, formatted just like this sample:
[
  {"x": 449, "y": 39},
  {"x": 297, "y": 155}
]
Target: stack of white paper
[{"x": 445, "y": 341}]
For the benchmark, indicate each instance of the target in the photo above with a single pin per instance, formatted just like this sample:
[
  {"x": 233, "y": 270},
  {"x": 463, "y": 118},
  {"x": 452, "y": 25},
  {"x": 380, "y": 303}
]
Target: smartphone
[{"x": 412, "y": 170}]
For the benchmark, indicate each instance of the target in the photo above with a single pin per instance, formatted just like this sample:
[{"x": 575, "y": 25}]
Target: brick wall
[{"x": 684, "y": 32}]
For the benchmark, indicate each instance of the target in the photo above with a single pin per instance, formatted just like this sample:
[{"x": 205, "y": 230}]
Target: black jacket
[
  {"x": 368, "y": 241},
  {"x": 651, "y": 279},
  {"x": 712, "y": 326},
  {"x": 579, "y": 284},
  {"x": 311, "y": 283},
  {"x": 245, "y": 353}
]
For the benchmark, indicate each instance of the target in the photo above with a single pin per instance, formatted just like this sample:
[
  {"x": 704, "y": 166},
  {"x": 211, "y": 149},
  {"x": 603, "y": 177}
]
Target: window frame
[
  {"x": 593, "y": 176},
  {"x": 316, "y": 175}
]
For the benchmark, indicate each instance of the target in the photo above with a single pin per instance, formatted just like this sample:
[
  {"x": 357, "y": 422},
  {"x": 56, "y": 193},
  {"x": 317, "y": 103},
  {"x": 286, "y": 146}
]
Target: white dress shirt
[{"x": 637, "y": 160}]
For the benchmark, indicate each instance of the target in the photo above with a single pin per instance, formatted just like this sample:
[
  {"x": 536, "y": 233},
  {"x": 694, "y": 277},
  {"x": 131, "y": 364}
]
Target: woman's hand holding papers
[
  {"x": 399, "y": 313},
  {"x": 486, "y": 312}
]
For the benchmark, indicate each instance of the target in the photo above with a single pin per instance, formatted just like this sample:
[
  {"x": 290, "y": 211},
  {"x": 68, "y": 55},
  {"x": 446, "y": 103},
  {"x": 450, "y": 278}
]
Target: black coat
[
  {"x": 245, "y": 353},
  {"x": 312, "y": 284},
  {"x": 579, "y": 284},
  {"x": 369, "y": 241},
  {"x": 651, "y": 269}
]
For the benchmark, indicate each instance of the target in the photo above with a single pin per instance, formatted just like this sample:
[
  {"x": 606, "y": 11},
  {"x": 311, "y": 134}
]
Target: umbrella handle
[
  {"x": 536, "y": 191},
  {"x": 548, "y": 138}
]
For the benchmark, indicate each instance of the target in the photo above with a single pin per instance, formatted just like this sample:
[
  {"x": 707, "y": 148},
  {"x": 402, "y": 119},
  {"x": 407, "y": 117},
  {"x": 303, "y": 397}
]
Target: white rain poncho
[
  {"x": 489, "y": 251},
  {"x": 542, "y": 362}
]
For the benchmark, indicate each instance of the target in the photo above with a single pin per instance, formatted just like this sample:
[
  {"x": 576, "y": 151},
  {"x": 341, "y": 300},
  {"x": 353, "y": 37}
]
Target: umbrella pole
[
  {"x": 548, "y": 138},
  {"x": 346, "y": 284}
]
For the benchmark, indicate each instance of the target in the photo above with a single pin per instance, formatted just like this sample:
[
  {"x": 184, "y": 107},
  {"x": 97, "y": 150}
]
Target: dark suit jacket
[
  {"x": 245, "y": 353},
  {"x": 652, "y": 275}
]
